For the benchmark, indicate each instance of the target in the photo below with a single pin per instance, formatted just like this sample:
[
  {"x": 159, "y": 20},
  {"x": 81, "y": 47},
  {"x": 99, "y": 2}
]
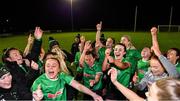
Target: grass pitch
[{"x": 139, "y": 39}]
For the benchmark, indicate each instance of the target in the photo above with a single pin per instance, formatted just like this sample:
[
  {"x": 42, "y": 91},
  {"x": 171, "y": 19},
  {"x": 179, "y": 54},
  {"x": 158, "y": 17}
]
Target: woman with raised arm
[
  {"x": 164, "y": 89},
  {"x": 24, "y": 70},
  {"x": 51, "y": 84},
  {"x": 169, "y": 67}
]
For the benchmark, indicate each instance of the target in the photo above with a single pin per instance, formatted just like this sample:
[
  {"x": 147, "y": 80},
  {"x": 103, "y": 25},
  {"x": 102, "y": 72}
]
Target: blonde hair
[
  {"x": 28, "y": 46},
  {"x": 61, "y": 56},
  {"x": 130, "y": 45},
  {"x": 169, "y": 89}
]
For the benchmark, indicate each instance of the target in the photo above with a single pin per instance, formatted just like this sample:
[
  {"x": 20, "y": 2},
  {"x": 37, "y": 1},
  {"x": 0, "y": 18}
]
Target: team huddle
[{"x": 105, "y": 70}]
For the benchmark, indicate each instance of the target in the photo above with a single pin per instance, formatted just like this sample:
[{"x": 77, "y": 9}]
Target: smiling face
[
  {"x": 146, "y": 53},
  {"x": 15, "y": 55},
  {"x": 5, "y": 81},
  {"x": 119, "y": 51},
  {"x": 156, "y": 67},
  {"x": 52, "y": 68},
  {"x": 172, "y": 56},
  {"x": 125, "y": 41}
]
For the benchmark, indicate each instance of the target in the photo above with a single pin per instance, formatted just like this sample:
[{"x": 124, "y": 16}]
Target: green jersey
[
  {"x": 133, "y": 56},
  {"x": 178, "y": 67},
  {"x": 77, "y": 57},
  {"x": 76, "y": 62},
  {"x": 142, "y": 66},
  {"x": 101, "y": 54},
  {"x": 89, "y": 73},
  {"x": 134, "y": 53},
  {"x": 53, "y": 89},
  {"x": 123, "y": 75}
]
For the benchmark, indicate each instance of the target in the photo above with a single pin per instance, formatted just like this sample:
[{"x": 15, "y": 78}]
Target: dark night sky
[{"x": 117, "y": 14}]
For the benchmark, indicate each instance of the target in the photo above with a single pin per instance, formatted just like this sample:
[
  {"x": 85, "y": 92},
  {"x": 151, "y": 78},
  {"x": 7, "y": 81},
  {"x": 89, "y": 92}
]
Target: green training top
[
  {"x": 76, "y": 62},
  {"x": 53, "y": 89},
  {"x": 101, "y": 54},
  {"x": 123, "y": 75},
  {"x": 142, "y": 66},
  {"x": 133, "y": 55},
  {"x": 89, "y": 73}
]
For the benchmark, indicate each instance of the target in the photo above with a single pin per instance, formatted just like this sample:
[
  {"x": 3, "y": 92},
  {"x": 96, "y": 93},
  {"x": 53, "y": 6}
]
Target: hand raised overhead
[
  {"x": 153, "y": 31},
  {"x": 99, "y": 26},
  {"x": 38, "y": 33}
]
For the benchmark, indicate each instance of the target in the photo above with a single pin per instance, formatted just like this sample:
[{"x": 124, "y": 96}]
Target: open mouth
[
  {"x": 51, "y": 73},
  {"x": 118, "y": 55}
]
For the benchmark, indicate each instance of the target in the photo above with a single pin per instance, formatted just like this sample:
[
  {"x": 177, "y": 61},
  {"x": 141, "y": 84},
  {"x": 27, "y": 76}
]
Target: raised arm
[
  {"x": 86, "y": 48},
  {"x": 36, "y": 48},
  {"x": 154, "y": 37},
  {"x": 170, "y": 68},
  {"x": 38, "y": 33},
  {"x": 98, "y": 33},
  {"x": 130, "y": 95}
]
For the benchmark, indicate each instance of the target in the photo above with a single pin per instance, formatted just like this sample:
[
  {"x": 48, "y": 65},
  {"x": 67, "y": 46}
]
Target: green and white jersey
[
  {"x": 142, "y": 66},
  {"x": 53, "y": 89},
  {"x": 123, "y": 75},
  {"x": 89, "y": 73}
]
